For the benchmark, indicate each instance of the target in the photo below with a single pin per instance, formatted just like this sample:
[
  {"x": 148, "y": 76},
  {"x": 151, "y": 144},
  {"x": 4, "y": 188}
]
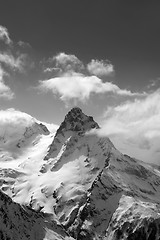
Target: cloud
[
  {"x": 63, "y": 59},
  {"x": 15, "y": 64},
  {"x": 154, "y": 84},
  {"x": 12, "y": 62},
  {"x": 135, "y": 127},
  {"x": 52, "y": 69},
  {"x": 12, "y": 126},
  {"x": 76, "y": 86},
  {"x": 24, "y": 44},
  {"x": 12, "y": 59},
  {"x": 70, "y": 79},
  {"x": 100, "y": 68},
  {"x": 4, "y": 35},
  {"x": 5, "y": 91},
  {"x": 64, "y": 63}
]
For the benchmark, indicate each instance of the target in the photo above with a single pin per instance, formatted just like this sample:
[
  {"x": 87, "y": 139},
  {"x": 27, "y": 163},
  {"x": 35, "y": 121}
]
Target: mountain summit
[
  {"x": 85, "y": 184},
  {"x": 77, "y": 121},
  {"x": 75, "y": 124}
]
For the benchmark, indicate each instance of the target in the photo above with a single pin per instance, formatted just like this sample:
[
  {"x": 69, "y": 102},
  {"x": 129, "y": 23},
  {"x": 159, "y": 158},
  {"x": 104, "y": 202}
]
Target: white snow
[{"x": 67, "y": 173}]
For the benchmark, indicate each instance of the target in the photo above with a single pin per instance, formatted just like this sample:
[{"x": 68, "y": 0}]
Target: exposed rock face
[
  {"x": 18, "y": 222},
  {"x": 77, "y": 121},
  {"x": 75, "y": 124},
  {"x": 87, "y": 185},
  {"x": 31, "y": 133},
  {"x": 134, "y": 220}
]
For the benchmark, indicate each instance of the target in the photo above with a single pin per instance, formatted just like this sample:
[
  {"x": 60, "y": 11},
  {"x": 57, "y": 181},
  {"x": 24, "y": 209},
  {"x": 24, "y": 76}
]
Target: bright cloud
[
  {"x": 135, "y": 127},
  {"x": 100, "y": 68},
  {"x": 14, "y": 118},
  {"x": 75, "y": 81},
  {"x": 63, "y": 59},
  {"x": 76, "y": 86},
  {"x": 4, "y": 35}
]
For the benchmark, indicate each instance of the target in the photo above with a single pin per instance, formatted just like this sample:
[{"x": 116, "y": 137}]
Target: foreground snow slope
[
  {"x": 87, "y": 185},
  {"x": 18, "y": 222}
]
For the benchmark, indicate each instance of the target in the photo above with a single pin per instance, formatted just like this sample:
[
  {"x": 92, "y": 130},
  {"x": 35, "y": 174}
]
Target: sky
[{"x": 102, "y": 56}]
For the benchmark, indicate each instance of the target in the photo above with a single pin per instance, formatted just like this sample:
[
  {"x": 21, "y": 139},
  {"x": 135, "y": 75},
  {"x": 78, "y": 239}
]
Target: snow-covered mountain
[
  {"x": 21, "y": 222},
  {"x": 18, "y": 132},
  {"x": 88, "y": 187}
]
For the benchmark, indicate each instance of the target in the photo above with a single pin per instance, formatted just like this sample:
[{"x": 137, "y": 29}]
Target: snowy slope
[
  {"x": 134, "y": 219},
  {"x": 124, "y": 178},
  {"x": 18, "y": 132},
  {"x": 23, "y": 223},
  {"x": 86, "y": 184}
]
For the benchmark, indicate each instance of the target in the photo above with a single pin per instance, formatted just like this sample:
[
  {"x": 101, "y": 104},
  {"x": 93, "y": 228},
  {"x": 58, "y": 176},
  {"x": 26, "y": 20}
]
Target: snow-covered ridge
[
  {"x": 85, "y": 183},
  {"x": 18, "y": 130}
]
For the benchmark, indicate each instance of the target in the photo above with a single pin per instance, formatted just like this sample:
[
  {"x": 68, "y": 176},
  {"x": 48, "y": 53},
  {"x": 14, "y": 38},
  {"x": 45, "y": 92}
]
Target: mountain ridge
[{"x": 87, "y": 185}]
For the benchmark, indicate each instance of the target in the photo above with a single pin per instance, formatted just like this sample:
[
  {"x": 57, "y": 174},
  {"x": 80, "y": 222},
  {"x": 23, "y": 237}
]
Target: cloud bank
[
  {"x": 75, "y": 81},
  {"x": 134, "y": 127}
]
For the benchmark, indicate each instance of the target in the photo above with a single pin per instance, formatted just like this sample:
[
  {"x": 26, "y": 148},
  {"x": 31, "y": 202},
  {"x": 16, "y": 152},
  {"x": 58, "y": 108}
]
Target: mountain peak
[
  {"x": 75, "y": 110},
  {"x": 74, "y": 113},
  {"x": 77, "y": 121}
]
